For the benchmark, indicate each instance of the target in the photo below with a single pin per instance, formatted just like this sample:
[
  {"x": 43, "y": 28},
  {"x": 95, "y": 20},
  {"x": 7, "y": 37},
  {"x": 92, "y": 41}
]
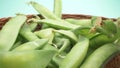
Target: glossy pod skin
[
  {"x": 9, "y": 31},
  {"x": 77, "y": 54},
  {"x": 57, "y": 24},
  {"x": 99, "y": 56},
  {"x": 81, "y": 22},
  {"x": 27, "y": 33},
  {"x": 68, "y": 34},
  {"x": 33, "y": 45},
  {"x": 26, "y": 59},
  {"x": 45, "y": 34}
]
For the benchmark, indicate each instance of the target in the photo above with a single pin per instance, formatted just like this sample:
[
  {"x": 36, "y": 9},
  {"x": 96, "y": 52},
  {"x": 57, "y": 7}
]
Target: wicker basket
[{"x": 113, "y": 62}]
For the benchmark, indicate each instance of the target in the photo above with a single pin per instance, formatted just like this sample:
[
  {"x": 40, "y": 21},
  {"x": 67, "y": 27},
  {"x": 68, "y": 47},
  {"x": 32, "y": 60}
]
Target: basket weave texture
[{"x": 114, "y": 62}]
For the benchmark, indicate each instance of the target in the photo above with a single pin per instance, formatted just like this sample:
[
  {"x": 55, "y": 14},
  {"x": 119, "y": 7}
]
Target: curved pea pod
[
  {"x": 66, "y": 44},
  {"x": 57, "y": 24},
  {"x": 57, "y": 59},
  {"x": 46, "y": 34},
  {"x": 58, "y": 8},
  {"x": 68, "y": 34},
  {"x": 77, "y": 54},
  {"x": 46, "y": 13},
  {"x": 99, "y": 56},
  {"x": 10, "y": 31},
  {"x": 33, "y": 45},
  {"x": 26, "y": 32},
  {"x": 99, "y": 40},
  {"x": 26, "y": 59},
  {"x": 81, "y": 22}
]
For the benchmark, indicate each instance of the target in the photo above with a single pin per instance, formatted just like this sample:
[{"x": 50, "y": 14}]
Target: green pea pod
[
  {"x": 68, "y": 34},
  {"x": 36, "y": 44},
  {"x": 16, "y": 45},
  {"x": 58, "y": 8},
  {"x": 50, "y": 65},
  {"x": 27, "y": 33},
  {"x": 49, "y": 47},
  {"x": 46, "y": 13},
  {"x": 58, "y": 40},
  {"x": 99, "y": 40},
  {"x": 110, "y": 26},
  {"x": 75, "y": 57},
  {"x": 66, "y": 43},
  {"x": 56, "y": 60},
  {"x": 33, "y": 26},
  {"x": 81, "y": 22},
  {"x": 46, "y": 34},
  {"x": 10, "y": 32},
  {"x": 99, "y": 56},
  {"x": 57, "y": 24},
  {"x": 26, "y": 59},
  {"x": 20, "y": 40}
]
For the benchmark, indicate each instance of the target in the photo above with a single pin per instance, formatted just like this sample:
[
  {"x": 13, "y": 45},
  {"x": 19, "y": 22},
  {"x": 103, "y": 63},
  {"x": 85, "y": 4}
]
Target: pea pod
[
  {"x": 33, "y": 26},
  {"x": 99, "y": 40},
  {"x": 66, "y": 43},
  {"x": 57, "y": 24},
  {"x": 110, "y": 26},
  {"x": 81, "y": 22},
  {"x": 10, "y": 31},
  {"x": 69, "y": 34},
  {"x": 16, "y": 45},
  {"x": 58, "y": 8},
  {"x": 46, "y": 34},
  {"x": 27, "y": 33},
  {"x": 26, "y": 59},
  {"x": 75, "y": 57},
  {"x": 46, "y": 13},
  {"x": 57, "y": 59},
  {"x": 49, "y": 47},
  {"x": 96, "y": 59},
  {"x": 36, "y": 44}
]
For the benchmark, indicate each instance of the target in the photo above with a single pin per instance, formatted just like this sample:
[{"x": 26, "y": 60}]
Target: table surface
[{"x": 106, "y": 8}]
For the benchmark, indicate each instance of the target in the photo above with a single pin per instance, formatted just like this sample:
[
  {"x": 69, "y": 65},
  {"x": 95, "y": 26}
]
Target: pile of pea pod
[{"x": 60, "y": 43}]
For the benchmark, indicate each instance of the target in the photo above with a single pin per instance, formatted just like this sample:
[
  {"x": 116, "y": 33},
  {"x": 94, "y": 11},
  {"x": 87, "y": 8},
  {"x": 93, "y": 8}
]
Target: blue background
[{"x": 106, "y": 8}]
